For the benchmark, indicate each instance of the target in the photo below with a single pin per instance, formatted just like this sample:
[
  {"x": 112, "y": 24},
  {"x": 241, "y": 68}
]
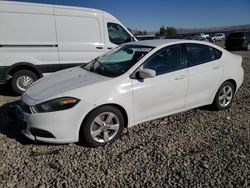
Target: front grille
[
  {"x": 25, "y": 108},
  {"x": 41, "y": 133}
]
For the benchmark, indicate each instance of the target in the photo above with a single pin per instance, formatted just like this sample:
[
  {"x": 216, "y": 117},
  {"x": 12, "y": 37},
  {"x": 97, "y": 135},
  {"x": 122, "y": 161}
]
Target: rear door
[
  {"x": 80, "y": 36},
  {"x": 205, "y": 71}
]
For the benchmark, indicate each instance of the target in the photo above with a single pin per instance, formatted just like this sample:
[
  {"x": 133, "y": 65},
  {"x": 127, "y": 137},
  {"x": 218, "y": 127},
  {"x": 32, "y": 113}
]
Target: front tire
[
  {"x": 22, "y": 79},
  {"x": 224, "y": 96},
  {"x": 101, "y": 126}
]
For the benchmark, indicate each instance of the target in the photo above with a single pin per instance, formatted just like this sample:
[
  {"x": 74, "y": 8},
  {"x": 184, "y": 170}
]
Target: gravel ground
[{"x": 198, "y": 148}]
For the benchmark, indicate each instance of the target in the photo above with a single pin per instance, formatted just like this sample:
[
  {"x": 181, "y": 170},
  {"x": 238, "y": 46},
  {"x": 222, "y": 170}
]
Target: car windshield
[{"x": 118, "y": 61}]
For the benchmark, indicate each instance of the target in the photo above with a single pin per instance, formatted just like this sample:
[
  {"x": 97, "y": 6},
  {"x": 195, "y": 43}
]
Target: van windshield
[{"x": 118, "y": 61}]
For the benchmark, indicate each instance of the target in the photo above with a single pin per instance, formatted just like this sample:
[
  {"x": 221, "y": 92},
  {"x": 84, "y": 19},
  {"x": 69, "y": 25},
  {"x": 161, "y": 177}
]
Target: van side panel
[
  {"x": 26, "y": 28},
  {"x": 27, "y": 35},
  {"x": 79, "y": 35}
]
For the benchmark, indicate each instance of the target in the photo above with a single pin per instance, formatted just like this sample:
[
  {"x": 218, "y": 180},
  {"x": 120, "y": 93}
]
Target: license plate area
[{"x": 21, "y": 114}]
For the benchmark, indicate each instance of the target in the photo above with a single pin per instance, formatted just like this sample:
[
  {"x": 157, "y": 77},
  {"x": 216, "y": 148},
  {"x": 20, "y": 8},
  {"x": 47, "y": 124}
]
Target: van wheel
[
  {"x": 101, "y": 126},
  {"x": 224, "y": 96},
  {"x": 22, "y": 79}
]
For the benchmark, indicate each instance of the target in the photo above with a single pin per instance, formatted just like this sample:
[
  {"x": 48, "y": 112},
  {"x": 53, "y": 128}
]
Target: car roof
[
  {"x": 154, "y": 43},
  {"x": 162, "y": 42}
]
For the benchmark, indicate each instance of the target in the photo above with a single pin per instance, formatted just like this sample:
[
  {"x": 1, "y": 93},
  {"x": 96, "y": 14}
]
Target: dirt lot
[{"x": 198, "y": 148}]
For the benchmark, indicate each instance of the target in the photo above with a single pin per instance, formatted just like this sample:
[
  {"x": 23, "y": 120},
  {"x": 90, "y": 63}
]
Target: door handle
[
  {"x": 216, "y": 67},
  {"x": 180, "y": 77},
  {"x": 99, "y": 47},
  {"x": 109, "y": 48}
]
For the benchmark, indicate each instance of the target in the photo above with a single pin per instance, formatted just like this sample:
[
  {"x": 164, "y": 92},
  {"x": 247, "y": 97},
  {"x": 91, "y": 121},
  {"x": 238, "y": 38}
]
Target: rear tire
[
  {"x": 101, "y": 126},
  {"x": 224, "y": 96},
  {"x": 22, "y": 79}
]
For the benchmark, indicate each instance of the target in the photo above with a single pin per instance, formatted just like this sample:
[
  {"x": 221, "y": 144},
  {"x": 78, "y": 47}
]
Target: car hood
[{"x": 62, "y": 81}]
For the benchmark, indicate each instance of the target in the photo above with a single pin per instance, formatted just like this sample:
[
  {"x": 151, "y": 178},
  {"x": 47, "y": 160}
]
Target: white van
[{"x": 38, "y": 38}]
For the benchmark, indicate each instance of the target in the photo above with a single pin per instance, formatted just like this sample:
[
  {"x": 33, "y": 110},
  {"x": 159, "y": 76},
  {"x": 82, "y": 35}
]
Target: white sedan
[{"x": 134, "y": 83}]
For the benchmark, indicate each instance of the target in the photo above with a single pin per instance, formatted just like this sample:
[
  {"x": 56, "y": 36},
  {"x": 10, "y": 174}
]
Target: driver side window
[
  {"x": 166, "y": 60},
  {"x": 117, "y": 34}
]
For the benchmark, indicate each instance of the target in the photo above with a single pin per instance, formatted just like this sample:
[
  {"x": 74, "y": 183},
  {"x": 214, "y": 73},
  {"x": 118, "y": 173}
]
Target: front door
[
  {"x": 166, "y": 92},
  {"x": 115, "y": 35}
]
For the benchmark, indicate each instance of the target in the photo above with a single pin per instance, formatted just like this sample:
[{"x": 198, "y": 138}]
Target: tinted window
[
  {"x": 198, "y": 54},
  {"x": 166, "y": 60},
  {"x": 217, "y": 53},
  {"x": 236, "y": 35},
  {"x": 117, "y": 34},
  {"x": 248, "y": 34}
]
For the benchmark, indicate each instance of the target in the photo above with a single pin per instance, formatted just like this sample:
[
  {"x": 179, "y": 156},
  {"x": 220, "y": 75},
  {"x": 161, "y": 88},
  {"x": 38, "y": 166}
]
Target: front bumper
[
  {"x": 21, "y": 114},
  {"x": 53, "y": 127},
  {"x": 3, "y": 74}
]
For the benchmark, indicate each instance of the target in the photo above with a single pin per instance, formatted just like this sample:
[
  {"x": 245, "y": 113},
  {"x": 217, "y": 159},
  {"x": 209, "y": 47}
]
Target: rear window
[
  {"x": 236, "y": 35},
  {"x": 248, "y": 34},
  {"x": 217, "y": 53},
  {"x": 199, "y": 54}
]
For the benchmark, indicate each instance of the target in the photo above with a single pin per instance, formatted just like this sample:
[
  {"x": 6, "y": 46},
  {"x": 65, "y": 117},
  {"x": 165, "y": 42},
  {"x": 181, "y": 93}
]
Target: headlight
[{"x": 63, "y": 103}]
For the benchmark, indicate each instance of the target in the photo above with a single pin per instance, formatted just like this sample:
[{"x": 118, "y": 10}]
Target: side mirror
[
  {"x": 147, "y": 73},
  {"x": 132, "y": 39},
  {"x": 129, "y": 39}
]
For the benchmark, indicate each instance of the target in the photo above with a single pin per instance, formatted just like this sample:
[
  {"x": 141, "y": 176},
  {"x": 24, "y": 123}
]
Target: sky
[{"x": 150, "y": 15}]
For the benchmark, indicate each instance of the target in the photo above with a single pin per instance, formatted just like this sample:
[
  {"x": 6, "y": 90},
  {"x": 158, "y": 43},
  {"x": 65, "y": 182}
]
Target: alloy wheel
[
  {"x": 23, "y": 82},
  {"x": 104, "y": 127},
  {"x": 225, "y": 96}
]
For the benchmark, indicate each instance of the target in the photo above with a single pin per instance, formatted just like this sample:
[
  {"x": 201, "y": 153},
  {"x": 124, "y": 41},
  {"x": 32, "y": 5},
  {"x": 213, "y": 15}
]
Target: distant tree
[
  {"x": 162, "y": 30},
  {"x": 167, "y": 31},
  {"x": 171, "y": 31},
  {"x": 139, "y": 33}
]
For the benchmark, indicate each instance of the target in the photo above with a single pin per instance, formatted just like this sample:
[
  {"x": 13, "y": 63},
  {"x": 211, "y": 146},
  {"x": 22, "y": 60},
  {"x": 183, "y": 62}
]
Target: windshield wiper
[
  {"x": 100, "y": 69},
  {"x": 93, "y": 64}
]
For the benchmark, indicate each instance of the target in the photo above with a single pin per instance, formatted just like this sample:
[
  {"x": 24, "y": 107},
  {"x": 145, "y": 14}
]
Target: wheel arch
[
  {"x": 215, "y": 103},
  {"x": 123, "y": 111},
  {"x": 119, "y": 107},
  {"x": 23, "y": 66},
  {"x": 228, "y": 80},
  {"x": 233, "y": 82}
]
